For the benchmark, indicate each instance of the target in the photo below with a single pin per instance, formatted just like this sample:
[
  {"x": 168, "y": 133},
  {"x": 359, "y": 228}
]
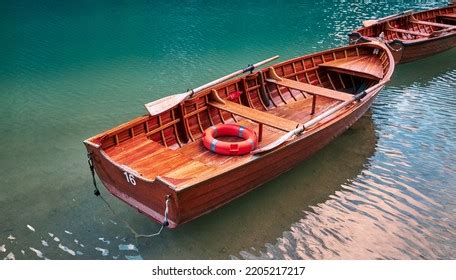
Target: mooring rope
[
  {"x": 164, "y": 224},
  {"x": 97, "y": 193}
]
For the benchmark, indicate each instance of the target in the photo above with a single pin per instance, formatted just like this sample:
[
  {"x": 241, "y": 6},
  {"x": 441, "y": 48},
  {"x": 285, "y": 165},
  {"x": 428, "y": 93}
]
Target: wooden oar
[
  {"x": 159, "y": 106},
  {"x": 371, "y": 22},
  {"x": 317, "y": 119}
]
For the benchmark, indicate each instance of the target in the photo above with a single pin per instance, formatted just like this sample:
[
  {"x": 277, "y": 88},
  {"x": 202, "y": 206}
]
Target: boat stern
[{"x": 156, "y": 198}]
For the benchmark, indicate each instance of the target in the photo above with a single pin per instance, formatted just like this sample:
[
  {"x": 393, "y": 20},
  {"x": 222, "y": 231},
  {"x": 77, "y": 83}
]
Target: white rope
[
  {"x": 165, "y": 222},
  {"x": 135, "y": 233}
]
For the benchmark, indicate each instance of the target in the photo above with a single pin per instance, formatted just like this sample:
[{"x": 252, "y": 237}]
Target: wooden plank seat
[
  {"x": 254, "y": 115},
  {"x": 368, "y": 66},
  {"x": 311, "y": 89}
]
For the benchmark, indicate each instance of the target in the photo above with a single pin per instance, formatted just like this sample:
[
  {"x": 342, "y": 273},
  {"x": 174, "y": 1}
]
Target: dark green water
[{"x": 385, "y": 189}]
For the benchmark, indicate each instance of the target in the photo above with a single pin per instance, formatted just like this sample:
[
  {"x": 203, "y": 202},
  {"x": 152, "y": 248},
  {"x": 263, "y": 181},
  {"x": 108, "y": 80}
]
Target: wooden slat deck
[
  {"x": 300, "y": 111},
  {"x": 151, "y": 159},
  {"x": 364, "y": 66},
  {"x": 193, "y": 161},
  {"x": 133, "y": 149},
  {"x": 255, "y": 115},
  {"x": 311, "y": 89}
]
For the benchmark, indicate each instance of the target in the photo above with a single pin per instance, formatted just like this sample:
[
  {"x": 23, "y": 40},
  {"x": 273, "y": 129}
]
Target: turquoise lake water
[{"x": 69, "y": 70}]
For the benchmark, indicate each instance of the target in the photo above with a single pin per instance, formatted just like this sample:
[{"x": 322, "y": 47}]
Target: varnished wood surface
[
  {"x": 367, "y": 66},
  {"x": 404, "y": 32},
  {"x": 313, "y": 89},
  {"x": 425, "y": 49},
  {"x": 149, "y": 159},
  {"x": 305, "y": 87},
  {"x": 256, "y": 115},
  {"x": 165, "y": 154}
]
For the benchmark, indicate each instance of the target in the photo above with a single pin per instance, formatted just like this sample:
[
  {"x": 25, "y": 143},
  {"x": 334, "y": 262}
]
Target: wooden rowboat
[
  {"x": 157, "y": 163},
  {"x": 412, "y": 35}
]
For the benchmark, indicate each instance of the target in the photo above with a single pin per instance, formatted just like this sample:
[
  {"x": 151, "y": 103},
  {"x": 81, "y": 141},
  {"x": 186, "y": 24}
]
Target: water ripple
[
  {"x": 401, "y": 206},
  {"x": 384, "y": 189}
]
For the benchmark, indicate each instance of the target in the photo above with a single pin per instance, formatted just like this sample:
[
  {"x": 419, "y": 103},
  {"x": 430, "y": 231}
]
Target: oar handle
[
  {"x": 395, "y": 15},
  {"x": 371, "y": 22},
  {"x": 232, "y": 75},
  {"x": 265, "y": 61},
  {"x": 159, "y": 106},
  {"x": 252, "y": 67}
]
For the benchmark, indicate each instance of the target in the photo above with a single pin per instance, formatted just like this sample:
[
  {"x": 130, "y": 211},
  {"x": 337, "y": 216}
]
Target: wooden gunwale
[{"x": 199, "y": 112}]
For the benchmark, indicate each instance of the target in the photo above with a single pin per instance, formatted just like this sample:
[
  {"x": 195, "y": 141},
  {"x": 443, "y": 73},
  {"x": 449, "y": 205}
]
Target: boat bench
[
  {"x": 361, "y": 66},
  {"x": 311, "y": 89},
  {"x": 255, "y": 115}
]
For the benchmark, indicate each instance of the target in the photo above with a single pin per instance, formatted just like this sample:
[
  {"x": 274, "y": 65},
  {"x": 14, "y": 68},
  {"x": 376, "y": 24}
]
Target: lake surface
[{"x": 385, "y": 189}]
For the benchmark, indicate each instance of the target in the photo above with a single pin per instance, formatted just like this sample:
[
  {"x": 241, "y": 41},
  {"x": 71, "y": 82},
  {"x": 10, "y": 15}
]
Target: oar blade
[{"x": 159, "y": 106}]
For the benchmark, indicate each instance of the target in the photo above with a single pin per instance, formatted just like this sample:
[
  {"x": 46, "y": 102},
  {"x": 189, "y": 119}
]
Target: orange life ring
[{"x": 229, "y": 148}]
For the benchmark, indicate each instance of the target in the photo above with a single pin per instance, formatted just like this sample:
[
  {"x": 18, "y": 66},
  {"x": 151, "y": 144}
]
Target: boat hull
[
  {"x": 420, "y": 49},
  {"x": 158, "y": 164},
  {"x": 412, "y": 36},
  {"x": 220, "y": 190},
  {"x": 149, "y": 197}
]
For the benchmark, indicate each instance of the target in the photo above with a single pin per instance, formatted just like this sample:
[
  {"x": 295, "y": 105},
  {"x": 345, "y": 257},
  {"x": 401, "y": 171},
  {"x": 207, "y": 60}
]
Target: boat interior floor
[{"x": 191, "y": 162}]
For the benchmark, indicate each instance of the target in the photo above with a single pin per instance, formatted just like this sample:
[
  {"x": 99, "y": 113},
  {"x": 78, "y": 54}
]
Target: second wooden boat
[
  {"x": 157, "y": 163},
  {"x": 412, "y": 35}
]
